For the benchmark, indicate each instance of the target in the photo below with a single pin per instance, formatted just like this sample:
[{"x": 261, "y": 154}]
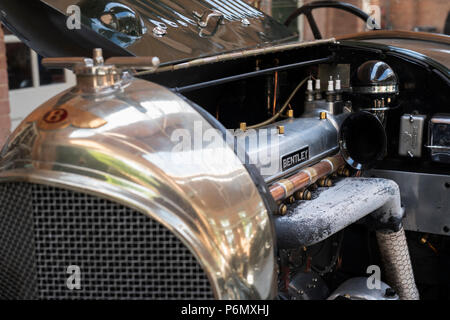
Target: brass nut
[
  {"x": 307, "y": 195},
  {"x": 320, "y": 182},
  {"x": 280, "y": 129},
  {"x": 290, "y": 200},
  {"x": 282, "y": 210},
  {"x": 290, "y": 113},
  {"x": 243, "y": 126},
  {"x": 325, "y": 182},
  {"x": 344, "y": 172},
  {"x": 323, "y": 115},
  {"x": 303, "y": 195}
]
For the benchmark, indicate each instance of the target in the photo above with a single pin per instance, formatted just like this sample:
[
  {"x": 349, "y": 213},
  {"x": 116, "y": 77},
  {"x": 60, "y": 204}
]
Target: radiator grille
[{"x": 121, "y": 253}]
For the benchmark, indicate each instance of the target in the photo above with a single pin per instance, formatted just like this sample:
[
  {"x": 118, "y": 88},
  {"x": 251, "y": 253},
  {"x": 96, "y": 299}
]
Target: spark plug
[
  {"x": 310, "y": 91},
  {"x": 318, "y": 93},
  {"x": 330, "y": 94},
  {"x": 338, "y": 89}
]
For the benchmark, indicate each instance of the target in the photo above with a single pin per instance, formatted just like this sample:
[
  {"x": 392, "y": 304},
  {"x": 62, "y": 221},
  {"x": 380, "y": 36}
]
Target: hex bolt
[
  {"x": 325, "y": 182},
  {"x": 390, "y": 293},
  {"x": 98, "y": 56},
  {"x": 290, "y": 200},
  {"x": 282, "y": 209},
  {"x": 303, "y": 195},
  {"x": 344, "y": 172}
]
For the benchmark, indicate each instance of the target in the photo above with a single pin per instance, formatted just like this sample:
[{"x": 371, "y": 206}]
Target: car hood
[
  {"x": 173, "y": 30},
  {"x": 431, "y": 48}
]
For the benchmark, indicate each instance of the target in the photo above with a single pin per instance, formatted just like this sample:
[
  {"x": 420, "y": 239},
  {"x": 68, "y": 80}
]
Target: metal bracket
[
  {"x": 205, "y": 17},
  {"x": 98, "y": 61}
]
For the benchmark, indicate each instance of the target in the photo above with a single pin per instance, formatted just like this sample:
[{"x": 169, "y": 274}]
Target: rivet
[
  {"x": 245, "y": 22},
  {"x": 159, "y": 31}
]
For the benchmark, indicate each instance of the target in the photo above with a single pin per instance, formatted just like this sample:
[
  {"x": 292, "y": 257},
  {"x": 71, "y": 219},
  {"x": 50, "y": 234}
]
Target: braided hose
[{"x": 397, "y": 263}]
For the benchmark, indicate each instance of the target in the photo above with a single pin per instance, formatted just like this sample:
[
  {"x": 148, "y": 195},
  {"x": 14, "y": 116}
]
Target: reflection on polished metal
[
  {"x": 245, "y": 22},
  {"x": 377, "y": 89},
  {"x": 375, "y": 77},
  {"x": 310, "y": 138},
  {"x": 425, "y": 197},
  {"x": 239, "y": 54},
  {"x": 286, "y": 187},
  {"x": 357, "y": 289},
  {"x": 159, "y": 31},
  {"x": 439, "y": 138},
  {"x": 203, "y": 19},
  {"x": 164, "y": 28},
  {"x": 210, "y": 202}
]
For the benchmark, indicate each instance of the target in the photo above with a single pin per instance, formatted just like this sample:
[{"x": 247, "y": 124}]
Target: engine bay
[{"x": 294, "y": 93}]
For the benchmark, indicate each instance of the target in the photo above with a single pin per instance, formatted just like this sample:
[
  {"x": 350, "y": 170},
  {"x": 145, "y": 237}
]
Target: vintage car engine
[
  {"x": 306, "y": 216},
  {"x": 321, "y": 149}
]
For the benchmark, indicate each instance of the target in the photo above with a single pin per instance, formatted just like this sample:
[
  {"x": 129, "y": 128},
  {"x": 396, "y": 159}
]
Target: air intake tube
[{"x": 363, "y": 140}]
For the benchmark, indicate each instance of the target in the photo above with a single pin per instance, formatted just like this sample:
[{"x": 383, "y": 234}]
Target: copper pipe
[
  {"x": 286, "y": 187},
  {"x": 275, "y": 94}
]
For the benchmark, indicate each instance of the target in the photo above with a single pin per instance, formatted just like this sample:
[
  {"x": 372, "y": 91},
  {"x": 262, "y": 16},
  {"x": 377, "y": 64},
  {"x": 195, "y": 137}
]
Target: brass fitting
[
  {"x": 290, "y": 113},
  {"x": 303, "y": 195},
  {"x": 323, "y": 115},
  {"x": 325, "y": 182},
  {"x": 282, "y": 209},
  {"x": 243, "y": 126},
  {"x": 313, "y": 187},
  {"x": 344, "y": 172},
  {"x": 280, "y": 129},
  {"x": 424, "y": 240},
  {"x": 290, "y": 200}
]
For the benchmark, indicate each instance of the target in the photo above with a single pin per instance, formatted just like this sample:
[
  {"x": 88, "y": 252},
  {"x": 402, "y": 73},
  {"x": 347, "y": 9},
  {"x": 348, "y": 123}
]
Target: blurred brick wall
[
  {"x": 5, "y": 121},
  {"x": 263, "y": 5},
  {"x": 395, "y": 15},
  {"x": 406, "y": 14}
]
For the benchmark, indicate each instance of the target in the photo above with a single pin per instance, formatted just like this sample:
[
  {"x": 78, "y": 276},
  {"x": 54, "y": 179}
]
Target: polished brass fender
[{"x": 116, "y": 143}]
